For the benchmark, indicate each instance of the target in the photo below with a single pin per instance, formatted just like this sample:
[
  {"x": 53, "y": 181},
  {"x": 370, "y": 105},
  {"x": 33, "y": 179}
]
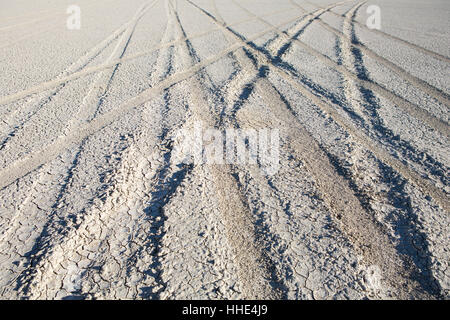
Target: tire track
[
  {"x": 399, "y": 101},
  {"x": 249, "y": 77},
  {"x": 352, "y": 92},
  {"x": 300, "y": 257},
  {"x": 226, "y": 97},
  {"x": 176, "y": 254},
  {"x": 298, "y": 28},
  {"x": 409, "y": 44},
  {"x": 358, "y": 99},
  {"x": 112, "y": 232},
  {"x": 23, "y": 279},
  {"x": 365, "y": 102},
  {"x": 99, "y": 88},
  {"x": 35, "y": 104},
  {"x": 9, "y": 175},
  {"x": 419, "y": 113},
  {"x": 252, "y": 264},
  {"x": 30, "y": 162},
  {"x": 119, "y": 50},
  {"x": 429, "y": 89},
  {"x": 142, "y": 263},
  {"x": 55, "y": 215},
  {"x": 361, "y": 228},
  {"x": 54, "y": 83},
  {"x": 420, "y": 252},
  {"x": 234, "y": 79},
  {"x": 115, "y": 252},
  {"x": 40, "y": 32},
  {"x": 43, "y": 243},
  {"x": 146, "y": 193},
  {"x": 128, "y": 222},
  {"x": 407, "y": 150},
  {"x": 266, "y": 90},
  {"x": 240, "y": 75},
  {"x": 273, "y": 240},
  {"x": 425, "y": 186},
  {"x": 145, "y": 248}
]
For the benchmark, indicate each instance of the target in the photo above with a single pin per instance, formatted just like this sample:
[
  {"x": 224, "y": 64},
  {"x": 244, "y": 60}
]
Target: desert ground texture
[{"x": 93, "y": 204}]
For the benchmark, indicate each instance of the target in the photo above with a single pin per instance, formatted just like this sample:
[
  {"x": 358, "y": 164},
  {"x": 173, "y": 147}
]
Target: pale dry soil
[{"x": 94, "y": 205}]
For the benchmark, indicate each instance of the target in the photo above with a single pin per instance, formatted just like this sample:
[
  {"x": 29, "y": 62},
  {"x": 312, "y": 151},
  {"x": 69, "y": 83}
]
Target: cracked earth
[{"x": 93, "y": 205}]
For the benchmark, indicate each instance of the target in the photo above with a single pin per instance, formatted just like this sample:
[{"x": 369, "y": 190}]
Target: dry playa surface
[{"x": 94, "y": 205}]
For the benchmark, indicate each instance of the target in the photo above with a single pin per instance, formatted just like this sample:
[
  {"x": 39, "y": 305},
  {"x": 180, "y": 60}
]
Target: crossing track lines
[
  {"x": 23, "y": 166},
  {"x": 409, "y": 44},
  {"x": 87, "y": 71}
]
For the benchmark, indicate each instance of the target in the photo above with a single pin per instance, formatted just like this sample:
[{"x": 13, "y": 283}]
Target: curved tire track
[
  {"x": 426, "y": 186},
  {"x": 429, "y": 89},
  {"x": 364, "y": 232},
  {"x": 384, "y": 34}
]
